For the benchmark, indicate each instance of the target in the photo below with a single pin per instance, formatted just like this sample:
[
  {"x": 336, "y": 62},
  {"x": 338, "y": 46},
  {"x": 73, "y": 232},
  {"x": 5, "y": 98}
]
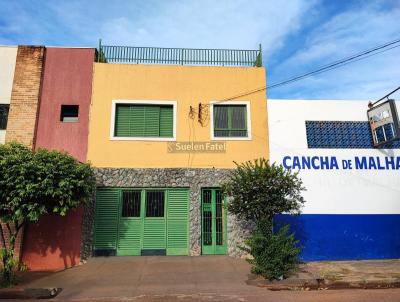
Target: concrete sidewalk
[
  {"x": 385, "y": 272},
  {"x": 135, "y": 276},
  {"x": 339, "y": 275},
  {"x": 117, "y": 277}
]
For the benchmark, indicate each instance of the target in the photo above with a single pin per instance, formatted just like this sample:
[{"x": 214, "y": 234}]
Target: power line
[
  {"x": 336, "y": 64},
  {"x": 382, "y": 98}
]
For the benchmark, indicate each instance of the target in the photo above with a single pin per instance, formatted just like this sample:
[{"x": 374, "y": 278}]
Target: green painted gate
[
  {"x": 141, "y": 221},
  {"x": 214, "y": 222}
]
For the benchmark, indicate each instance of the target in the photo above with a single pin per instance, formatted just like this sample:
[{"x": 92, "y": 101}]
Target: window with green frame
[
  {"x": 142, "y": 120},
  {"x": 230, "y": 120}
]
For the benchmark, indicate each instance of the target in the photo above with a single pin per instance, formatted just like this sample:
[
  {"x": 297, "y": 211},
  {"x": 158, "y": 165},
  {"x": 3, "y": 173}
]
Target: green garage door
[{"x": 141, "y": 222}]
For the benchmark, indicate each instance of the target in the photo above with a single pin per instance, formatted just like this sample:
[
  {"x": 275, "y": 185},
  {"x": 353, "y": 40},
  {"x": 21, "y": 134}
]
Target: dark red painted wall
[
  {"x": 67, "y": 80},
  {"x": 54, "y": 243}
]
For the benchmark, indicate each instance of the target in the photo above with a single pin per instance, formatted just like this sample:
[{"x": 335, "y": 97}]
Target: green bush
[
  {"x": 33, "y": 184},
  {"x": 275, "y": 256},
  {"x": 262, "y": 190}
]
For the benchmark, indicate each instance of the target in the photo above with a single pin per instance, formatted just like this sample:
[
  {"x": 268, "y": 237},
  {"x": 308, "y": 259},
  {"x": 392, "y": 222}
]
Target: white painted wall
[
  {"x": 8, "y": 55},
  {"x": 332, "y": 191},
  {"x": 2, "y": 136}
]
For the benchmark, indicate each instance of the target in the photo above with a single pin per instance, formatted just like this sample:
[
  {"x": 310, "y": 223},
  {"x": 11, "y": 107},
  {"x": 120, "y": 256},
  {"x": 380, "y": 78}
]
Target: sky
[{"x": 297, "y": 36}]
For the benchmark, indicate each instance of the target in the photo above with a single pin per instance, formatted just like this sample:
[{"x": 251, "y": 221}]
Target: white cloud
[
  {"x": 345, "y": 34},
  {"x": 281, "y": 27},
  {"x": 176, "y": 23},
  {"x": 210, "y": 24}
]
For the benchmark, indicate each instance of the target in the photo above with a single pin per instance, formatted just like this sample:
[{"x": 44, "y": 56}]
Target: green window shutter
[
  {"x": 177, "y": 227},
  {"x": 230, "y": 120},
  {"x": 122, "y": 120},
  {"x": 137, "y": 121},
  {"x": 129, "y": 238},
  {"x": 154, "y": 233},
  {"x": 166, "y": 121},
  {"x": 106, "y": 219},
  {"x": 133, "y": 120},
  {"x": 152, "y": 121}
]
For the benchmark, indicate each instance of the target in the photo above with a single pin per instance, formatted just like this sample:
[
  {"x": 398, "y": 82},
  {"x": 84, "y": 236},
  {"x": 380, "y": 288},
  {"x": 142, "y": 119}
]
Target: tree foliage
[
  {"x": 275, "y": 255},
  {"x": 261, "y": 190},
  {"x": 34, "y": 183}
]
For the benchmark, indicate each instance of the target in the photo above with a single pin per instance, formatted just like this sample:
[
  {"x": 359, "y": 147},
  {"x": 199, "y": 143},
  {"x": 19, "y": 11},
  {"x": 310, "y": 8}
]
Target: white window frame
[
  {"x": 248, "y": 111},
  {"x": 142, "y": 102}
]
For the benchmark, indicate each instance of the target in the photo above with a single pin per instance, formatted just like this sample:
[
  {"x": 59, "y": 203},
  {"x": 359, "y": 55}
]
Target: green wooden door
[
  {"x": 142, "y": 222},
  {"x": 154, "y": 223},
  {"x": 130, "y": 223},
  {"x": 178, "y": 222},
  {"x": 106, "y": 221},
  {"x": 214, "y": 235}
]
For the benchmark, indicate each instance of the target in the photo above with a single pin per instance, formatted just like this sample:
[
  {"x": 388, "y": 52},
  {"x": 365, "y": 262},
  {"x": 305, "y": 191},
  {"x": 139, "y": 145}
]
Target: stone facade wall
[
  {"x": 25, "y": 95},
  {"x": 194, "y": 179}
]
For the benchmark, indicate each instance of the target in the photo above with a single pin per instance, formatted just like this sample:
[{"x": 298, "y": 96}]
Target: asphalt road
[{"x": 377, "y": 295}]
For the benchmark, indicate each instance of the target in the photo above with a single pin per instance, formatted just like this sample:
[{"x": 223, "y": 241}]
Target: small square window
[
  {"x": 69, "y": 113},
  {"x": 4, "y": 115}
]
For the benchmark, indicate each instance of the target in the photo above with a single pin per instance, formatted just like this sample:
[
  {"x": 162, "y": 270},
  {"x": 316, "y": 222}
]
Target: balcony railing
[{"x": 178, "y": 56}]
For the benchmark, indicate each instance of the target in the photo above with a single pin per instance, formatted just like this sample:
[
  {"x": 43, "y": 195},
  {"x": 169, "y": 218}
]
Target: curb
[
  {"x": 322, "y": 284},
  {"x": 361, "y": 284},
  {"x": 29, "y": 293}
]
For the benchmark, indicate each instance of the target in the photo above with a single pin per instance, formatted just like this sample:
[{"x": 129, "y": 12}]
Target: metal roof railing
[{"x": 178, "y": 56}]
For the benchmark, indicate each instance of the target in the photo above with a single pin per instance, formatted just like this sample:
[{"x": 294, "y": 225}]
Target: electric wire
[{"x": 336, "y": 64}]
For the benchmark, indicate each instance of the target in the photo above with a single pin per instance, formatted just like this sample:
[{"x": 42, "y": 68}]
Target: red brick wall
[
  {"x": 18, "y": 241},
  {"x": 21, "y": 126}
]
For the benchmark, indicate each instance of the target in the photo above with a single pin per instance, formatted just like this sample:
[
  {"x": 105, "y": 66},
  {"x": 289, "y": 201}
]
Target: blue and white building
[{"x": 352, "y": 208}]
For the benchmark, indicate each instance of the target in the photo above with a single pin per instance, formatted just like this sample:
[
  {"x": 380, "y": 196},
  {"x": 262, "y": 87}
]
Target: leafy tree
[
  {"x": 32, "y": 184},
  {"x": 261, "y": 190},
  {"x": 275, "y": 255}
]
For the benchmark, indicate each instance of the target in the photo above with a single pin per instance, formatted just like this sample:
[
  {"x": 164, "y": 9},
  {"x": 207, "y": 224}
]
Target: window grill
[
  {"x": 207, "y": 218},
  {"x": 155, "y": 203},
  {"x": 343, "y": 135},
  {"x": 131, "y": 203},
  {"x": 219, "y": 229},
  {"x": 230, "y": 120}
]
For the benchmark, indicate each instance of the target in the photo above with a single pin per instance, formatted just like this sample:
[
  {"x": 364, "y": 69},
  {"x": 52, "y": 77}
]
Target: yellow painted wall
[{"x": 188, "y": 86}]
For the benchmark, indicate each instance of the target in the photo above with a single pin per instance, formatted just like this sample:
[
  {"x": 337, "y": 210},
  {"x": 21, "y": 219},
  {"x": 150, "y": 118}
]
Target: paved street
[
  {"x": 206, "y": 278},
  {"x": 383, "y": 295}
]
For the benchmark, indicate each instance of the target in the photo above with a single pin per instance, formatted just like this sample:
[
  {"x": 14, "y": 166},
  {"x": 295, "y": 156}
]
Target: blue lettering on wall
[{"x": 332, "y": 163}]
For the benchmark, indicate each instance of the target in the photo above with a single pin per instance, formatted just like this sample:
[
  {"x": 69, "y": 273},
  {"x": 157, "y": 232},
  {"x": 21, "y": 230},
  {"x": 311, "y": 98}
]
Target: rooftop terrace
[{"x": 179, "y": 56}]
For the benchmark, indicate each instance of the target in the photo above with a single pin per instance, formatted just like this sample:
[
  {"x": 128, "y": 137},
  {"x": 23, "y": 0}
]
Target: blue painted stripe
[{"x": 346, "y": 237}]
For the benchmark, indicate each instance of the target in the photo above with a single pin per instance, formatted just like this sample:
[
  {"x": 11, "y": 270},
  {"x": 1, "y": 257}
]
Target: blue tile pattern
[{"x": 342, "y": 135}]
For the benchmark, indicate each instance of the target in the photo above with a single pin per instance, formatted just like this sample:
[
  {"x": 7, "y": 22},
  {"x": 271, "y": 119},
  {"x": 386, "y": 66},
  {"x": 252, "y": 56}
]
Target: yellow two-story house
[{"x": 166, "y": 126}]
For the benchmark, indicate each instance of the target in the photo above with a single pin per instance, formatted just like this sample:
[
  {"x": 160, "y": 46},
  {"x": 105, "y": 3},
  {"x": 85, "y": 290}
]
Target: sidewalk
[
  {"x": 220, "y": 275},
  {"x": 339, "y": 275}
]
